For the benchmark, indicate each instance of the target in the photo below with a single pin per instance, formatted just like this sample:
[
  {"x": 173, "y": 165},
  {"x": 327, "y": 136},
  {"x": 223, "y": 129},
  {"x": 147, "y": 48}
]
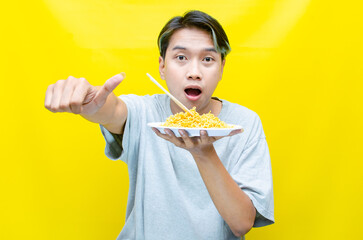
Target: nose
[{"x": 194, "y": 72}]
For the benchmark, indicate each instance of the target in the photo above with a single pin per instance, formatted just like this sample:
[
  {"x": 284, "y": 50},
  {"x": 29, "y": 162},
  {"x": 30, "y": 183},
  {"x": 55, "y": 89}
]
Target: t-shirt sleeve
[
  {"x": 113, "y": 148},
  {"x": 118, "y": 145},
  {"x": 252, "y": 173}
]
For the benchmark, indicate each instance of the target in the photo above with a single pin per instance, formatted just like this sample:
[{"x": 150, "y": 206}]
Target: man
[{"x": 187, "y": 187}]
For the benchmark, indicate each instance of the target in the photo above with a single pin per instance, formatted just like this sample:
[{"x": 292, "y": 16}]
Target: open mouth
[{"x": 193, "y": 92}]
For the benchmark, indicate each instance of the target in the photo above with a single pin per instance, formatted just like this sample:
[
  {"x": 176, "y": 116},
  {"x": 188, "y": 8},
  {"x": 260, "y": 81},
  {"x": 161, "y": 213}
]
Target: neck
[{"x": 214, "y": 106}]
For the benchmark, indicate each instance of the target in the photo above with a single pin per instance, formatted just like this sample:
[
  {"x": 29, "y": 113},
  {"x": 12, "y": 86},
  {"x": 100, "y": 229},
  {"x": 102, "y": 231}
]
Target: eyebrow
[{"x": 205, "y": 49}]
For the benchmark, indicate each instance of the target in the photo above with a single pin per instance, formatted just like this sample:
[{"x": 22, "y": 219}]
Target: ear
[
  {"x": 161, "y": 67},
  {"x": 222, "y": 66}
]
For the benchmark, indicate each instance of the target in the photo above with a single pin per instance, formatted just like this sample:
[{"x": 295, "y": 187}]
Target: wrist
[
  {"x": 105, "y": 114},
  {"x": 204, "y": 154}
]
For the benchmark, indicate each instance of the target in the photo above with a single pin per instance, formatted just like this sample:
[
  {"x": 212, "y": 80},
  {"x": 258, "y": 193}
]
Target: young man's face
[{"x": 192, "y": 69}]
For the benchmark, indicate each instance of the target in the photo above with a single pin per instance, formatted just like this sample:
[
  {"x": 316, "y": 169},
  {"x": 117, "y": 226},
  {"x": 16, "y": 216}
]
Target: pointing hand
[{"x": 77, "y": 95}]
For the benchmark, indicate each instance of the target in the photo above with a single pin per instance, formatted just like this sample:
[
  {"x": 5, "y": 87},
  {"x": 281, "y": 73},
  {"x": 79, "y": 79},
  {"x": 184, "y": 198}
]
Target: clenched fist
[{"x": 77, "y": 95}]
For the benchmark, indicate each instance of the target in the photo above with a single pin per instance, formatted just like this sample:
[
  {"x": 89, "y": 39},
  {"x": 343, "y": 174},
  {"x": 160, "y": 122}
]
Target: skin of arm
[
  {"x": 232, "y": 203},
  {"x": 112, "y": 115}
]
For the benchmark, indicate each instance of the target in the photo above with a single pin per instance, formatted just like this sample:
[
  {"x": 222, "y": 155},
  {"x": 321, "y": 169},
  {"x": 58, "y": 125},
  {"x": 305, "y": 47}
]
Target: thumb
[{"x": 108, "y": 87}]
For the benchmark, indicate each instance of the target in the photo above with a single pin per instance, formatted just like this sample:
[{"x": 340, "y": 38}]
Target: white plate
[{"x": 212, "y": 132}]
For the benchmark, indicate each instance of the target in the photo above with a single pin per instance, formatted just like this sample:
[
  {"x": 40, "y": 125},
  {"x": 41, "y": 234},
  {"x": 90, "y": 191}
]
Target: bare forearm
[{"x": 232, "y": 203}]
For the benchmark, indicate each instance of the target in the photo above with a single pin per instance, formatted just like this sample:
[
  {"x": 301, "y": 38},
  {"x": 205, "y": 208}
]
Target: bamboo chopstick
[{"x": 167, "y": 93}]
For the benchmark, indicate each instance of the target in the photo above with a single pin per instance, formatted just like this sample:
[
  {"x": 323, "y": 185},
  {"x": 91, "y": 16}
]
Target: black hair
[{"x": 199, "y": 20}]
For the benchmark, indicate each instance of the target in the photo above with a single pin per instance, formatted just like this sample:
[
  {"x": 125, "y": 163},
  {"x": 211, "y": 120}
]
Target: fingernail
[{"x": 123, "y": 74}]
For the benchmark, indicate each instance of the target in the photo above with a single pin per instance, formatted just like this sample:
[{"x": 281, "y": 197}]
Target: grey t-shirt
[{"x": 167, "y": 196}]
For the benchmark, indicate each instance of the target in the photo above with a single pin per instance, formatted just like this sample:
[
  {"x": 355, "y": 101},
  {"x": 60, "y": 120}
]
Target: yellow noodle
[{"x": 194, "y": 120}]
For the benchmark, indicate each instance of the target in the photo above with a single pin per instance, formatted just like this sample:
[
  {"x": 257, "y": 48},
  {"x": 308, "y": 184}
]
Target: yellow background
[{"x": 297, "y": 63}]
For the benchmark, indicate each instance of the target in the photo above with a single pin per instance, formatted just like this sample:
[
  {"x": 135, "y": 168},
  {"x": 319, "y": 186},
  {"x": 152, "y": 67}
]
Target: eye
[
  {"x": 208, "y": 59},
  {"x": 181, "y": 57}
]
